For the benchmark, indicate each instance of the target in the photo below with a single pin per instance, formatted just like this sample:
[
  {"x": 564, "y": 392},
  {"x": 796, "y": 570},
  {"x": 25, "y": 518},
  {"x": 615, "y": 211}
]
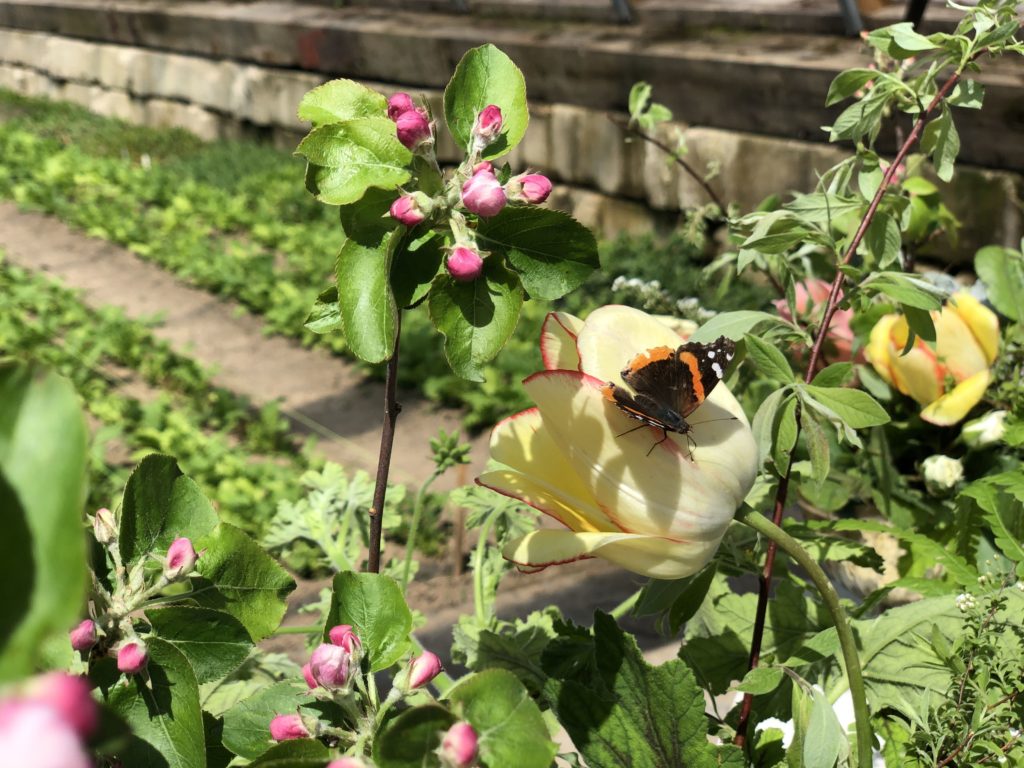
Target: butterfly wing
[{"x": 705, "y": 366}]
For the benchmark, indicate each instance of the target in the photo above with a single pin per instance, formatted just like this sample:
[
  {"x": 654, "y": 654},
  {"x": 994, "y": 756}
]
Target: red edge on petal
[
  {"x": 547, "y": 512},
  {"x": 544, "y": 353},
  {"x": 513, "y": 417},
  {"x": 584, "y": 378},
  {"x": 538, "y": 567}
]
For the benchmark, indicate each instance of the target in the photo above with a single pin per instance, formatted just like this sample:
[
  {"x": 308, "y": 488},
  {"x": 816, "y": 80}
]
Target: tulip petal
[
  {"x": 613, "y": 335},
  {"x": 956, "y": 346},
  {"x": 918, "y": 373},
  {"x": 646, "y": 484},
  {"x": 570, "y": 513},
  {"x": 953, "y": 407},
  {"x": 878, "y": 350},
  {"x": 558, "y": 341},
  {"x": 981, "y": 320},
  {"x": 651, "y": 556}
]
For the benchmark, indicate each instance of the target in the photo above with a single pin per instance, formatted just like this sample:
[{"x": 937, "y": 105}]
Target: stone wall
[{"x": 610, "y": 183}]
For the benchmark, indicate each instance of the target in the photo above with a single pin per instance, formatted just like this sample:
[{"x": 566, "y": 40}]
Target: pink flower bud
[
  {"x": 104, "y": 526},
  {"x": 413, "y": 129},
  {"x": 399, "y": 104},
  {"x": 482, "y": 193},
  {"x": 412, "y": 209},
  {"x": 487, "y": 126},
  {"x": 532, "y": 188},
  {"x": 132, "y": 657},
  {"x": 345, "y": 636},
  {"x": 347, "y": 762},
  {"x": 70, "y": 697},
  {"x": 459, "y": 747},
  {"x": 286, "y": 727},
  {"x": 464, "y": 264},
  {"x": 423, "y": 669},
  {"x": 35, "y": 734},
  {"x": 181, "y": 559},
  {"x": 329, "y": 666},
  {"x": 83, "y": 637},
  {"x": 307, "y": 675}
]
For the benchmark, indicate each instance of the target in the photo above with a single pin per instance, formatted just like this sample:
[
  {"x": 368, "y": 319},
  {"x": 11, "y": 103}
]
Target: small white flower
[
  {"x": 965, "y": 602},
  {"x": 1020, "y": 585},
  {"x": 941, "y": 474},
  {"x": 989, "y": 429}
]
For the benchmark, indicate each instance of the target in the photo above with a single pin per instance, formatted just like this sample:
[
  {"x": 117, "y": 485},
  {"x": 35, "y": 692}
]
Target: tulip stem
[
  {"x": 847, "y": 643},
  {"x": 387, "y": 439}
]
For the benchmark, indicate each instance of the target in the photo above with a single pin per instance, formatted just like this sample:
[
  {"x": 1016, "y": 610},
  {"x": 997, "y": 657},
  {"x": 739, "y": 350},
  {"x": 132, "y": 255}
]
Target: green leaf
[
  {"x": 691, "y": 597},
  {"x": 857, "y": 409},
  {"x": 847, "y": 83},
  {"x": 941, "y": 141},
  {"x": 413, "y": 271},
  {"x": 551, "y": 251},
  {"x": 764, "y": 421},
  {"x": 900, "y": 40},
  {"x": 412, "y": 738},
  {"x": 346, "y": 159},
  {"x": 733, "y": 325},
  {"x": 476, "y": 318},
  {"x": 785, "y": 436},
  {"x": 768, "y": 358},
  {"x": 920, "y": 186},
  {"x": 161, "y": 504},
  {"x": 883, "y": 239},
  {"x": 823, "y": 740},
  {"x": 820, "y": 207},
  {"x": 369, "y": 314},
  {"x": 1004, "y": 515},
  {"x": 509, "y": 722},
  {"x": 628, "y": 713},
  {"x": 906, "y": 289},
  {"x": 859, "y": 119},
  {"x": 300, "y": 753},
  {"x": 247, "y": 724},
  {"x": 42, "y": 488},
  {"x": 242, "y": 579},
  {"x": 1002, "y": 272},
  {"x": 834, "y": 375},
  {"x": 368, "y": 220},
  {"x": 777, "y": 232},
  {"x": 639, "y": 95},
  {"x": 340, "y": 100},
  {"x": 214, "y": 642},
  {"x": 162, "y": 709},
  {"x": 817, "y": 444},
  {"x": 486, "y": 76},
  {"x": 761, "y": 680},
  {"x": 326, "y": 314},
  {"x": 374, "y": 606},
  {"x": 920, "y": 322}
]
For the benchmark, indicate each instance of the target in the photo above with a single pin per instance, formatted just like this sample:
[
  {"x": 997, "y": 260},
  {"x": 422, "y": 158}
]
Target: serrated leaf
[
  {"x": 484, "y": 76},
  {"x": 1002, "y": 272},
  {"x": 325, "y": 316},
  {"x": 163, "y": 712},
  {"x": 369, "y": 313},
  {"x": 239, "y": 577},
  {"x": 476, "y": 318},
  {"x": 215, "y": 643},
  {"x": 768, "y": 358},
  {"x": 247, "y": 724},
  {"x": 42, "y": 488},
  {"x": 550, "y": 251},
  {"x": 857, "y": 409},
  {"x": 300, "y": 753},
  {"x": 412, "y": 738},
  {"x": 413, "y": 271},
  {"x": 346, "y": 159},
  {"x": 339, "y": 100},
  {"x": 373, "y": 604}
]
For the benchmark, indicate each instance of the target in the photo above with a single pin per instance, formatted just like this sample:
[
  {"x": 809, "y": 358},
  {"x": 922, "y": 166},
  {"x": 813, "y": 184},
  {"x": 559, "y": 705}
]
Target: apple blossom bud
[
  {"x": 941, "y": 474},
  {"x": 286, "y": 727},
  {"x": 423, "y": 669},
  {"x": 532, "y": 188},
  {"x": 70, "y": 696},
  {"x": 482, "y": 193},
  {"x": 413, "y": 129},
  {"x": 347, "y": 762},
  {"x": 181, "y": 559},
  {"x": 345, "y": 636},
  {"x": 307, "y": 675},
  {"x": 487, "y": 126},
  {"x": 459, "y": 747},
  {"x": 399, "y": 104},
  {"x": 83, "y": 637},
  {"x": 464, "y": 264},
  {"x": 34, "y": 734},
  {"x": 412, "y": 209},
  {"x": 104, "y": 526},
  {"x": 329, "y": 666},
  {"x": 987, "y": 430},
  {"x": 132, "y": 657}
]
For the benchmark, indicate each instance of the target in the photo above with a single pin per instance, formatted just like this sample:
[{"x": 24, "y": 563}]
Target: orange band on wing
[
  {"x": 650, "y": 356},
  {"x": 688, "y": 359}
]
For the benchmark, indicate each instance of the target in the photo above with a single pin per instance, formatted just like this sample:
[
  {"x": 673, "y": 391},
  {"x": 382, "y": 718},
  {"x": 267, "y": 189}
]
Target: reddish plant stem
[
  {"x": 387, "y": 439},
  {"x": 778, "y": 510}
]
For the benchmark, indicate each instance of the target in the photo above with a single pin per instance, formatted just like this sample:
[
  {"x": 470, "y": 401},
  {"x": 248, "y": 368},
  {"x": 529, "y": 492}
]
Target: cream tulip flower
[{"x": 658, "y": 508}]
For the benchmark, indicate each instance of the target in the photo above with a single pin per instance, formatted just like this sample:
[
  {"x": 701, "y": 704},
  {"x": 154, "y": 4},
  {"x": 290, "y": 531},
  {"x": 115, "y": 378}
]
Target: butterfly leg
[
  {"x": 690, "y": 444},
  {"x": 664, "y": 437},
  {"x": 630, "y": 431}
]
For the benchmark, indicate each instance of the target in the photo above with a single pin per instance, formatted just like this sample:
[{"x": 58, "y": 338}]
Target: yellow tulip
[
  {"x": 950, "y": 378},
  {"x": 659, "y": 511}
]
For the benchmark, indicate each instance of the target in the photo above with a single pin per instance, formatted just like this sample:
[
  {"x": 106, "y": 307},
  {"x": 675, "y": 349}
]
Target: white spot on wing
[{"x": 717, "y": 369}]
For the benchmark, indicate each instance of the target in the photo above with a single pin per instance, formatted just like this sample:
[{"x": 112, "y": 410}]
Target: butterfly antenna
[{"x": 709, "y": 421}]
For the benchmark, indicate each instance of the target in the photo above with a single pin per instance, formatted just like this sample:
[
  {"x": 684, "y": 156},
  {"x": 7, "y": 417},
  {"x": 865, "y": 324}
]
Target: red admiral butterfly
[{"x": 669, "y": 384}]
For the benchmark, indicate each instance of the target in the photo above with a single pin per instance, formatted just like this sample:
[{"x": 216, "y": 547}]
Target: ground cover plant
[{"x": 773, "y": 457}]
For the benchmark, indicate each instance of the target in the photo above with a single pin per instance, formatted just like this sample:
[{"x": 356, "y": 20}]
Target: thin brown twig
[
  {"x": 778, "y": 511},
  {"x": 629, "y": 127},
  {"x": 387, "y": 439}
]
